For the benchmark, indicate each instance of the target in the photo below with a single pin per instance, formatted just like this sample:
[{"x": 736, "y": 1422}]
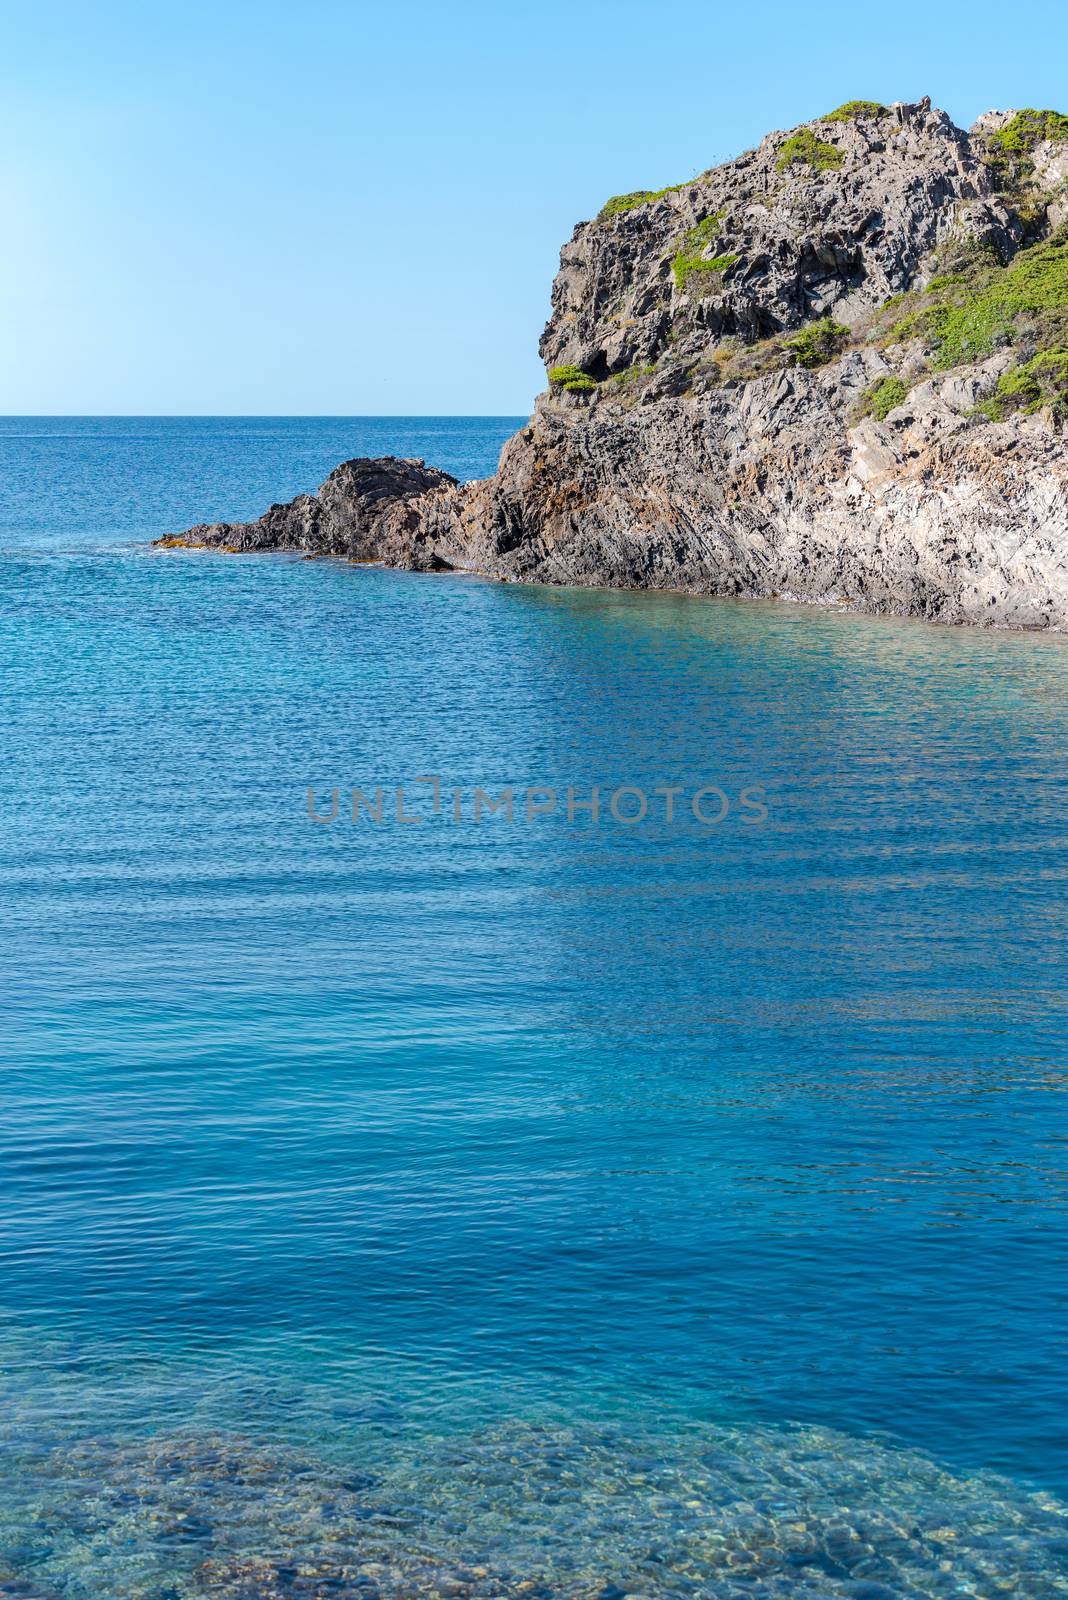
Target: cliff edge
[{"x": 834, "y": 369}]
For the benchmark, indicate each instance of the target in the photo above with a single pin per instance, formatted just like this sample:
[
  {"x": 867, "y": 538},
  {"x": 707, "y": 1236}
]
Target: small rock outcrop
[
  {"x": 367, "y": 510},
  {"x": 834, "y": 369}
]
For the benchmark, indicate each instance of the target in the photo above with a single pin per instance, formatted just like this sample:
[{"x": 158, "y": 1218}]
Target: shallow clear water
[{"x": 523, "y": 1207}]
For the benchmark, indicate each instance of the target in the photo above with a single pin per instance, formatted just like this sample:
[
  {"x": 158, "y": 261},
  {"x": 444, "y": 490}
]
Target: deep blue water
[{"x": 595, "y": 1204}]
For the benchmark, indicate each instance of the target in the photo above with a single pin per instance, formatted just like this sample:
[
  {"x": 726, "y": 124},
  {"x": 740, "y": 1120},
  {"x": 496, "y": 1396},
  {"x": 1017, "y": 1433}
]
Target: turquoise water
[{"x": 536, "y": 1207}]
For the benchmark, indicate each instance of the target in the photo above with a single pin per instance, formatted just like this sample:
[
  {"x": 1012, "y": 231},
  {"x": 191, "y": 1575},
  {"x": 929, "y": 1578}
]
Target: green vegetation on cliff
[
  {"x": 641, "y": 369},
  {"x": 804, "y": 148},
  {"x": 882, "y": 398},
  {"x": 685, "y": 266},
  {"x": 690, "y": 256},
  {"x": 572, "y": 378},
  {"x": 1040, "y": 382},
  {"x": 966, "y": 315},
  {"x": 638, "y": 197},
  {"x": 1027, "y": 129},
  {"x": 853, "y": 110},
  {"x": 818, "y": 343}
]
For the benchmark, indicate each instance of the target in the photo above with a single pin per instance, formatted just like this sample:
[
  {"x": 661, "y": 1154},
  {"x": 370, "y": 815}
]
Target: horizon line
[{"x": 265, "y": 416}]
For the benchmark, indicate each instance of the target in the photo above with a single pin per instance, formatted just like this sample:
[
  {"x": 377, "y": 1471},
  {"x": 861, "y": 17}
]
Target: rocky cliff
[{"x": 834, "y": 369}]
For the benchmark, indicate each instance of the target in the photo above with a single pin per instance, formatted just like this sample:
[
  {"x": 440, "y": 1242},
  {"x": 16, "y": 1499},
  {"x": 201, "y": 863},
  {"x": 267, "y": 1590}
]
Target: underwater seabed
[{"x": 631, "y": 1504}]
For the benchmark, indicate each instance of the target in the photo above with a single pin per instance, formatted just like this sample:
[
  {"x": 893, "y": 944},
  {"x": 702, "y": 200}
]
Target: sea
[{"x": 510, "y": 1090}]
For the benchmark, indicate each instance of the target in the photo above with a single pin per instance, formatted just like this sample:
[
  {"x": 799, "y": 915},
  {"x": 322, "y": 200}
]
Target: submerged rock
[
  {"x": 527, "y": 1512},
  {"x": 741, "y": 403}
]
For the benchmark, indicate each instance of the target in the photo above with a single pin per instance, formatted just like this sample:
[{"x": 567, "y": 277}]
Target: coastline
[{"x": 829, "y": 370}]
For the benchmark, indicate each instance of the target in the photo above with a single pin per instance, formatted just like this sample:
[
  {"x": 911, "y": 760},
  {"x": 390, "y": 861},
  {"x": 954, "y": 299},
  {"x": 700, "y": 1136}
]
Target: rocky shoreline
[{"x": 832, "y": 370}]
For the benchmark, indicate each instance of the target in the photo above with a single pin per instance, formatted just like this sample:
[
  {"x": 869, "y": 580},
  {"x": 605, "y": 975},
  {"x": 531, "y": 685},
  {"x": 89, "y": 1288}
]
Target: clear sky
[{"x": 346, "y": 209}]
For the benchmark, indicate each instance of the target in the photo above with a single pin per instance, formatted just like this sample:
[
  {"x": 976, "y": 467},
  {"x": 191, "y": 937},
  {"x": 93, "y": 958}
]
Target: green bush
[
  {"x": 638, "y": 197},
  {"x": 684, "y": 266},
  {"x": 817, "y": 344},
  {"x": 690, "y": 256},
  {"x": 1027, "y": 129},
  {"x": 641, "y": 369},
  {"x": 572, "y": 378},
  {"x": 882, "y": 397},
  {"x": 805, "y": 147},
  {"x": 855, "y": 109},
  {"x": 1039, "y": 382}
]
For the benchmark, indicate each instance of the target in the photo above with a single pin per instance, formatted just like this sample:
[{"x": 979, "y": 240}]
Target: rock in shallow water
[
  {"x": 534, "y": 1512},
  {"x": 367, "y": 510}
]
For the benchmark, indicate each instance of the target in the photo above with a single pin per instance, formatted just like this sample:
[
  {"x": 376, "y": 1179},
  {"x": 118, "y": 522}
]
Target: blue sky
[{"x": 348, "y": 209}]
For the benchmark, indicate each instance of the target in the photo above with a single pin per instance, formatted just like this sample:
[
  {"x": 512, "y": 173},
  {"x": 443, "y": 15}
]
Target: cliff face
[
  {"x": 806, "y": 233},
  {"x": 834, "y": 369}
]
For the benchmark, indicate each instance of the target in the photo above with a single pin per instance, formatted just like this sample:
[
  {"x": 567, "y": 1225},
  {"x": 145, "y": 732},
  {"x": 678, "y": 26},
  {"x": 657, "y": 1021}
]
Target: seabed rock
[{"x": 518, "y": 1512}]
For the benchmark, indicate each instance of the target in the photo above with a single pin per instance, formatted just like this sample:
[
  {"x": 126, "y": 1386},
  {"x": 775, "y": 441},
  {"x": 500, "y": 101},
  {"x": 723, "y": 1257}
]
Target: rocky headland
[{"x": 834, "y": 369}]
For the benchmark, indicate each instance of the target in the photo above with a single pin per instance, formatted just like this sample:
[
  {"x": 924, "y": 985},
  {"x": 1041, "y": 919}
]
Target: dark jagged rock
[
  {"x": 367, "y": 510},
  {"x": 738, "y": 410}
]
